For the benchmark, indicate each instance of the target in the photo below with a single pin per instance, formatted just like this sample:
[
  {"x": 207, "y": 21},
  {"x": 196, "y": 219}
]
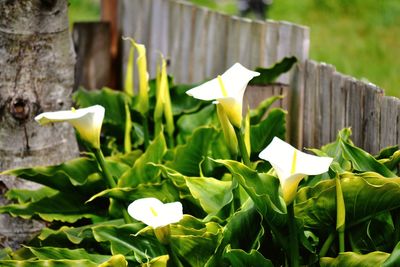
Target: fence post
[{"x": 92, "y": 45}]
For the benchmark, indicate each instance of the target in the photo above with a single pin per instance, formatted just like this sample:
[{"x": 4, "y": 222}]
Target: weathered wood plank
[
  {"x": 215, "y": 45},
  {"x": 389, "y": 121},
  {"x": 355, "y": 109},
  {"x": 255, "y": 94},
  {"x": 398, "y": 125},
  {"x": 296, "y": 106},
  {"x": 338, "y": 107},
  {"x": 325, "y": 84},
  {"x": 232, "y": 44},
  {"x": 310, "y": 87},
  {"x": 371, "y": 123},
  {"x": 187, "y": 25},
  {"x": 155, "y": 34},
  {"x": 271, "y": 43},
  {"x": 284, "y": 46},
  {"x": 244, "y": 40},
  {"x": 197, "y": 64},
  {"x": 300, "y": 44},
  {"x": 174, "y": 45},
  {"x": 317, "y": 116},
  {"x": 93, "y": 42},
  {"x": 127, "y": 29},
  {"x": 257, "y": 43}
]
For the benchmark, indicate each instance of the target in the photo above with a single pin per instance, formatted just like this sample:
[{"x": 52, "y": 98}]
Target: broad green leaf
[
  {"x": 188, "y": 156},
  {"x": 392, "y": 162},
  {"x": 362, "y": 161},
  {"x": 233, "y": 235},
  {"x": 24, "y": 195},
  {"x": 335, "y": 151},
  {"x": 54, "y": 253},
  {"x": 258, "y": 113},
  {"x": 142, "y": 171},
  {"x": 47, "y": 263},
  {"x": 188, "y": 123},
  {"x": 351, "y": 157},
  {"x": 194, "y": 241},
  {"x": 113, "y": 101},
  {"x": 238, "y": 257},
  {"x": 375, "y": 234},
  {"x": 181, "y": 103},
  {"x": 262, "y": 188},
  {"x": 352, "y": 259},
  {"x": 128, "y": 158},
  {"x": 124, "y": 241},
  {"x": 72, "y": 235},
  {"x": 67, "y": 177},
  {"x": 387, "y": 152},
  {"x": 163, "y": 191},
  {"x": 115, "y": 261},
  {"x": 393, "y": 259},
  {"x": 246, "y": 218},
  {"x": 212, "y": 194},
  {"x": 160, "y": 261},
  {"x": 4, "y": 253},
  {"x": 365, "y": 196},
  {"x": 263, "y": 133},
  {"x": 116, "y": 167},
  {"x": 268, "y": 75},
  {"x": 61, "y": 207}
]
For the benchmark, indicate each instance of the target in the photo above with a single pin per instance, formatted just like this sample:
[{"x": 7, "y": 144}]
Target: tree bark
[{"x": 36, "y": 75}]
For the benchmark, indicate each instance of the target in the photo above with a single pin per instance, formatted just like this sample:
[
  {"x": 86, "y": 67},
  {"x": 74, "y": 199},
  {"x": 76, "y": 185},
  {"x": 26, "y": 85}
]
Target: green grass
[
  {"x": 83, "y": 10},
  {"x": 360, "y": 38}
]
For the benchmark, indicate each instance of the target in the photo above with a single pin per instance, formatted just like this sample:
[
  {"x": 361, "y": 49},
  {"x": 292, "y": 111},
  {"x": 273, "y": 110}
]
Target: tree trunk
[{"x": 36, "y": 75}]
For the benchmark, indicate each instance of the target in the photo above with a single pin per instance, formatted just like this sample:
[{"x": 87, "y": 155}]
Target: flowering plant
[{"x": 107, "y": 209}]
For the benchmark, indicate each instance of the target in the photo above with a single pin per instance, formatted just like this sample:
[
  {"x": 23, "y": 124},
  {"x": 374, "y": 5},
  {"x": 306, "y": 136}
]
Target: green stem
[
  {"x": 242, "y": 146},
  {"x": 146, "y": 131},
  {"x": 340, "y": 214},
  {"x": 128, "y": 129},
  {"x": 171, "y": 143},
  {"x": 107, "y": 175},
  {"x": 293, "y": 238},
  {"x": 327, "y": 244},
  {"x": 111, "y": 183},
  {"x": 236, "y": 198},
  {"x": 341, "y": 241}
]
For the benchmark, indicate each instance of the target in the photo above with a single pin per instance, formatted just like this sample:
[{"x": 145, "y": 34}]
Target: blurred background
[{"x": 360, "y": 38}]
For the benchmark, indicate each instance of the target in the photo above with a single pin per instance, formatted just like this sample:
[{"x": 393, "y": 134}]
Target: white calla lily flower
[
  {"x": 292, "y": 165},
  {"x": 154, "y": 213},
  {"x": 228, "y": 90},
  {"x": 87, "y": 121}
]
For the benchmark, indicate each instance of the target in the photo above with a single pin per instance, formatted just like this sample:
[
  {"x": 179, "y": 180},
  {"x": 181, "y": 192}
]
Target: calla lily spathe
[
  {"x": 228, "y": 90},
  {"x": 292, "y": 165},
  {"x": 154, "y": 213},
  {"x": 87, "y": 121}
]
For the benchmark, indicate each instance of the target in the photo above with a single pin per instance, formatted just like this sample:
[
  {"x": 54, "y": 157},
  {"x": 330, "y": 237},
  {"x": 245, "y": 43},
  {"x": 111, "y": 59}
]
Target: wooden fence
[
  {"x": 320, "y": 101},
  {"x": 201, "y": 43},
  {"x": 332, "y": 101}
]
